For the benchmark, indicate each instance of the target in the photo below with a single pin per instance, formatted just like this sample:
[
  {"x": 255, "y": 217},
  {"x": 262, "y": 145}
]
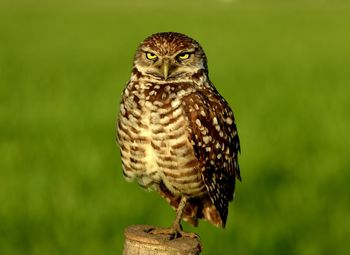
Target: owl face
[{"x": 169, "y": 56}]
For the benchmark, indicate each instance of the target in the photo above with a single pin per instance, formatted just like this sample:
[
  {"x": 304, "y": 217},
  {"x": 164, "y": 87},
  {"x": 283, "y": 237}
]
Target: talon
[
  {"x": 149, "y": 230},
  {"x": 175, "y": 234},
  {"x": 190, "y": 235},
  {"x": 178, "y": 234},
  {"x": 167, "y": 231},
  {"x": 172, "y": 233}
]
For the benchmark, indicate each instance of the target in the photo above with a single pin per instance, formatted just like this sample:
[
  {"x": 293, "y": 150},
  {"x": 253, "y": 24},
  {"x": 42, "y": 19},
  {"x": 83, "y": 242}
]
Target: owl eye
[
  {"x": 183, "y": 56},
  {"x": 151, "y": 56}
]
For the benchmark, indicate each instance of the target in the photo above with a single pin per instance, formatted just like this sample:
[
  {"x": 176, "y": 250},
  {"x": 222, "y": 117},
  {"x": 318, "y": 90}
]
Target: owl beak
[{"x": 165, "y": 69}]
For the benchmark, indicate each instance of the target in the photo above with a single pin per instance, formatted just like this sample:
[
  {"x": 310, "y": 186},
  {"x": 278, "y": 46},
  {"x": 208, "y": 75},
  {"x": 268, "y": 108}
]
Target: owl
[{"x": 177, "y": 134}]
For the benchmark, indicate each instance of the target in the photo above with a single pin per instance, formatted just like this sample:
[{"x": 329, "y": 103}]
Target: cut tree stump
[{"x": 139, "y": 242}]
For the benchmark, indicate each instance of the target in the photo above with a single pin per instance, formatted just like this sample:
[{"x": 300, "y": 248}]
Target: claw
[{"x": 172, "y": 233}]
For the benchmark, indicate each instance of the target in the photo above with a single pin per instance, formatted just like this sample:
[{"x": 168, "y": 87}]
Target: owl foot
[
  {"x": 188, "y": 235},
  {"x": 172, "y": 233},
  {"x": 175, "y": 231}
]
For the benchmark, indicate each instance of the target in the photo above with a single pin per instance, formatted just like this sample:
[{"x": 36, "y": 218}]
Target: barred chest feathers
[{"x": 153, "y": 132}]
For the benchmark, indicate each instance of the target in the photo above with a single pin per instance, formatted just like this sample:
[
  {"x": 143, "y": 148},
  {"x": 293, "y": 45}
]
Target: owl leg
[
  {"x": 175, "y": 231},
  {"x": 177, "y": 228},
  {"x": 179, "y": 212}
]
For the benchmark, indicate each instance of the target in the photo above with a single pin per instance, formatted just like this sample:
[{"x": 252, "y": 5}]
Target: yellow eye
[
  {"x": 183, "y": 56},
  {"x": 151, "y": 56}
]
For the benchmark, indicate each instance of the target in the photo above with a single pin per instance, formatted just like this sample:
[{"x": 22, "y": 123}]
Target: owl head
[{"x": 170, "y": 56}]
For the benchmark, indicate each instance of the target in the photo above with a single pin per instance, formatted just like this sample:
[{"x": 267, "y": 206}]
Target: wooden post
[{"x": 139, "y": 242}]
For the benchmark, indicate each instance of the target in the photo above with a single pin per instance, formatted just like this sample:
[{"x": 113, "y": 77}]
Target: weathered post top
[{"x": 138, "y": 241}]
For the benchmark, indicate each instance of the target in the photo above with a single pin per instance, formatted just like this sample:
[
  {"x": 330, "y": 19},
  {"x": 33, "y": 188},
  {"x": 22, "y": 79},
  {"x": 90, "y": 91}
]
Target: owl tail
[{"x": 196, "y": 208}]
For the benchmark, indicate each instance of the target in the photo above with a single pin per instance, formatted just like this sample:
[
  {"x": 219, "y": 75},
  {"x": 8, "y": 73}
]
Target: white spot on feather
[
  {"x": 175, "y": 103},
  {"x": 206, "y": 139},
  {"x": 229, "y": 120}
]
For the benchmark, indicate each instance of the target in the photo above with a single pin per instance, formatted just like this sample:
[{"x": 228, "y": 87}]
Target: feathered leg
[{"x": 175, "y": 231}]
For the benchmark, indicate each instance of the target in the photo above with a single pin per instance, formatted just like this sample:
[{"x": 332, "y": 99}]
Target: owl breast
[{"x": 153, "y": 133}]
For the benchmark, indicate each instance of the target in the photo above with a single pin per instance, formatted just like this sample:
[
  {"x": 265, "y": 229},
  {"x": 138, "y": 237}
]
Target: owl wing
[{"x": 216, "y": 144}]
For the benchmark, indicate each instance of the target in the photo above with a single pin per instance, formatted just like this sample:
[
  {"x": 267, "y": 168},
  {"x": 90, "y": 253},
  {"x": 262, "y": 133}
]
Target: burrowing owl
[{"x": 176, "y": 133}]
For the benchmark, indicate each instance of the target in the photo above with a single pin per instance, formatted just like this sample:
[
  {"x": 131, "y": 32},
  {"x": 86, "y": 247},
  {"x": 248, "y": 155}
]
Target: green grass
[{"x": 284, "y": 68}]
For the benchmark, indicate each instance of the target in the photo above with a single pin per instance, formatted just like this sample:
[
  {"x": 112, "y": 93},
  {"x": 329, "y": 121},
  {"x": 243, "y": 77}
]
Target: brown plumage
[{"x": 176, "y": 133}]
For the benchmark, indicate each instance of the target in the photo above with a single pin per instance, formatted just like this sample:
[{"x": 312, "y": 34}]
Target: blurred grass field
[{"x": 284, "y": 68}]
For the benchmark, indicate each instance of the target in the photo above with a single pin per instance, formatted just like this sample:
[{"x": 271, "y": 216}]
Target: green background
[{"x": 284, "y": 67}]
